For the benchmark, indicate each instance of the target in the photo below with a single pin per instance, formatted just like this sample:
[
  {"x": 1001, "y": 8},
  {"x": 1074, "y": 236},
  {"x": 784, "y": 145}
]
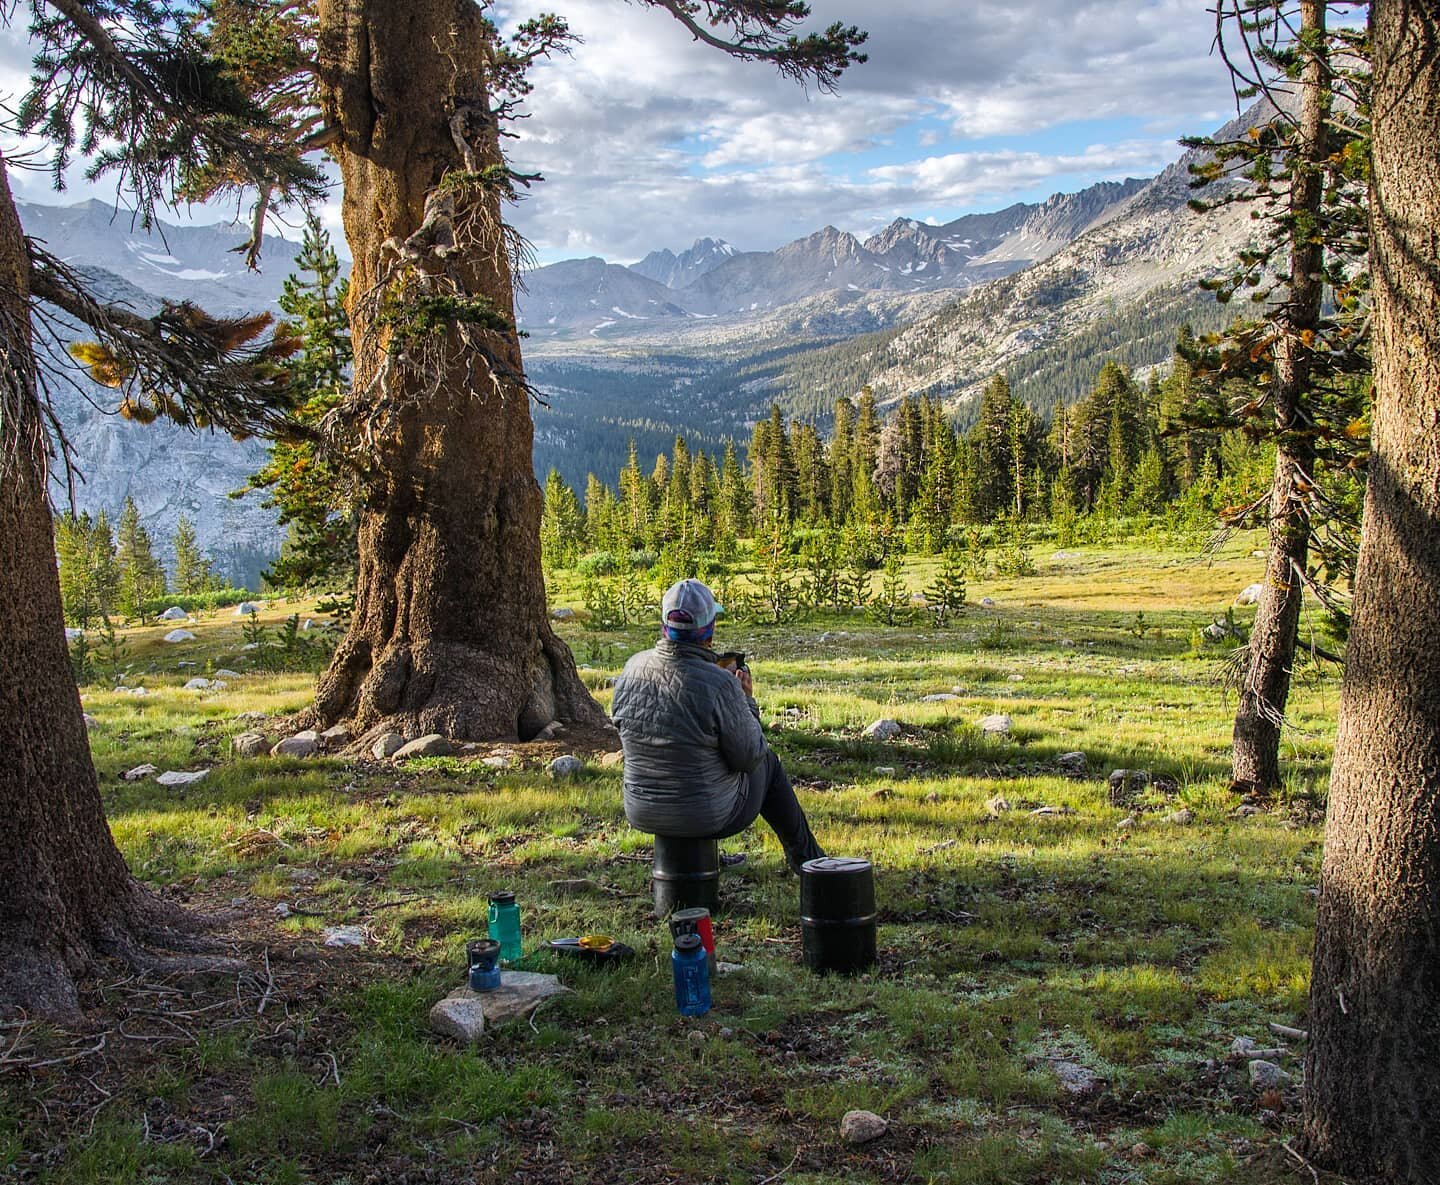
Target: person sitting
[{"x": 697, "y": 765}]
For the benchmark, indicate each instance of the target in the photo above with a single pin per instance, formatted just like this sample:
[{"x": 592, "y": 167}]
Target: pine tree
[
  {"x": 892, "y": 606},
  {"x": 733, "y": 512},
  {"x": 777, "y": 570},
  {"x": 945, "y": 598},
  {"x": 312, "y": 494},
  {"x": 194, "y": 572},
  {"x": 562, "y": 526},
  {"x": 142, "y": 579}
]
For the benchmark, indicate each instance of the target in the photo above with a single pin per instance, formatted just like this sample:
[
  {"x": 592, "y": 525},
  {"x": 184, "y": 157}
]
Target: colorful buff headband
[{"x": 676, "y": 629}]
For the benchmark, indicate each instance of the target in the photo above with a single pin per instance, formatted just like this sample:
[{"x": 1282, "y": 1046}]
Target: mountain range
[{"x": 700, "y": 342}]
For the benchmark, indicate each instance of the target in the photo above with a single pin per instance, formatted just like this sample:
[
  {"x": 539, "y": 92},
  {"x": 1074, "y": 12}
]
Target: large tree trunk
[
  {"x": 1270, "y": 659},
  {"x": 1372, "y": 1106},
  {"x": 65, "y": 894},
  {"x": 450, "y": 632}
]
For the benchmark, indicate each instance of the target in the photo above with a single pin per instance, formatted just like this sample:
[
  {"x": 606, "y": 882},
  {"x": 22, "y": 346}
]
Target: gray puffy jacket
[{"x": 691, "y": 735}]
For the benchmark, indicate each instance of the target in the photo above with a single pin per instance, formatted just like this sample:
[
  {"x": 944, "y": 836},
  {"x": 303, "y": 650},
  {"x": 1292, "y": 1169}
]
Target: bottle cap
[
  {"x": 685, "y": 943},
  {"x": 507, "y": 897}
]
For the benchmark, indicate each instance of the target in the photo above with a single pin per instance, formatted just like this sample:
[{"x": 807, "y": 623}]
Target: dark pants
[{"x": 769, "y": 795}]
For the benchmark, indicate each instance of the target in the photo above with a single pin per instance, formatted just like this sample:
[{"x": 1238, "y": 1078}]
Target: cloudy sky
[{"x": 648, "y": 139}]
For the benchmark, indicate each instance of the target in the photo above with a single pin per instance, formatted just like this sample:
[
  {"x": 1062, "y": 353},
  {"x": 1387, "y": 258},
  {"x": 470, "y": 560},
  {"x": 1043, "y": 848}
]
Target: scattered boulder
[
  {"x": 550, "y": 731},
  {"x": 135, "y": 691},
  {"x": 344, "y": 936},
  {"x": 882, "y": 730},
  {"x": 140, "y": 772},
  {"x": 612, "y": 760},
  {"x": 1183, "y": 817},
  {"x": 387, "y": 745},
  {"x": 562, "y": 614},
  {"x": 174, "y": 613},
  {"x": 90, "y": 721},
  {"x": 198, "y": 684},
  {"x": 987, "y": 602},
  {"x": 1267, "y": 1075},
  {"x": 496, "y": 762},
  {"x": 336, "y": 734},
  {"x": 568, "y": 766},
  {"x": 179, "y": 777},
  {"x": 998, "y": 805},
  {"x": 940, "y": 697},
  {"x": 998, "y": 725},
  {"x": 1218, "y": 631},
  {"x": 461, "y": 1019},
  {"x": 1068, "y": 643},
  {"x": 885, "y": 771},
  {"x": 432, "y": 744},
  {"x": 250, "y": 744},
  {"x": 73, "y": 635},
  {"x": 861, "y": 1127},
  {"x": 1072, "y": 764},
  {"x": 1250, "y": 594},
  {"x": 246, "y": 609},
  {"x": 227, "y": 673},
  {"x": 302, "y": 744},
  {"x": 1126, "y": 823},
  {"x": 179, "y": 636}
]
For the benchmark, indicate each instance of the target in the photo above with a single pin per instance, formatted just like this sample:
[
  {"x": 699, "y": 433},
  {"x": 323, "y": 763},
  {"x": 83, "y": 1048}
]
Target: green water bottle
[{"x": 505, "y": 925}]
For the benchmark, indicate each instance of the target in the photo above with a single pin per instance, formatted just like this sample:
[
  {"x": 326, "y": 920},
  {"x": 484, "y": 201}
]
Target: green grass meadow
[{"x": 1134, "y": 940}]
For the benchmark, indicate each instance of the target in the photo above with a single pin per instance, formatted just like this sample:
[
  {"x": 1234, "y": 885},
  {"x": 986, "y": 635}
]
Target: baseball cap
[{"x": 689, "y": 605}]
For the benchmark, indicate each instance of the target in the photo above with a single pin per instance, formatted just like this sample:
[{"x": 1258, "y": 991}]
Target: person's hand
[{"x": 745, "y": 682}]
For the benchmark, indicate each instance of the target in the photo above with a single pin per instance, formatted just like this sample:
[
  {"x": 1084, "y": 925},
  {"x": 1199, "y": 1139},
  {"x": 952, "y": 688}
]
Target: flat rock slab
[
  {"x": 430, "y": 745},
  {"x": 518, "y": 994}
]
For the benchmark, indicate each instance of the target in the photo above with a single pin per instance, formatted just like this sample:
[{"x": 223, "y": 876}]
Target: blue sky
[{"x": 648, "y": 139}]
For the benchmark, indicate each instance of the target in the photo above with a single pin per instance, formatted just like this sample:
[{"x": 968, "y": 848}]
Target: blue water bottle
[
  {"x": 692, "y": 975},
  {"x": 505, "y": 925}
]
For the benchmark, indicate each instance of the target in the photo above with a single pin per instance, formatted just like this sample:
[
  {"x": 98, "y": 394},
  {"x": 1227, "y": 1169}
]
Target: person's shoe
[{"x": 732, "y": 859}]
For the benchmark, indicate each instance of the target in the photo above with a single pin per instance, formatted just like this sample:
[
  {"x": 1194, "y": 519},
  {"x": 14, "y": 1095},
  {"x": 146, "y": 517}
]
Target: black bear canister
[{"x": 837, "y": 913}]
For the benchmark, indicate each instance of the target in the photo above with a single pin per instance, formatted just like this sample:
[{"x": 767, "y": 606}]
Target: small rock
[
  {"x": 1076, "y": 1079},
  {"x": 1068, "y": 643},
  {"x": 1043, "y": 811},
  {"x": 987, "y": 602},
  {"x": 882, "y": 730},
  {"x": 860, "y": 1127},
  {"x": 281, "y": 911},
  {"x": 179, "y": 636},
  {"x": 90, "y": 721},
  {"x": 227, "y": 673},
  {"x": 1126, "y": 823},
  {"x": 998, "y": 725},
  {"x": 885, "y": 770},
  {"x": 724, "y": 968},
  {"x": 1245, "y": 810},
  {"x": 696, "y": 1037},
  {"x": 139, "y": 772},
  {"x": 73, "y": 635},
  {"x": 574, "y": 888},
  {"x": 550, "y": 731},
  {"x": 302, "y": 744},
  {"x": 725, "y": 1032},
  {"x": 387, "y": 745},
  {"x": 461, "y": 1020},
  {"x": 430, "y": 745},
  {"x": 612, "y": 760},
  {"x": 794, "y": 713},
  {"x": 1181, "y": 817},
  {"x": 174, "y": 613},
  {"x": 344, "y": 935},
  {"x": 1017, "y": 678},
  {"x": 940, "y": 697},
  {"x": 1140, "y": 1150},
  {"x": 496, "y": 762},
  {"x": 998, "y": 805},
  {"x": 1267, "y": 1075},
  {"x": 1125, "y": 785},
  {"x": 562, "y": 614},
  {"x": 251, "y": 646},
  {"x": 138, "y": 692},
  {"x": 250, "y": 744},
  {"x": 1242, "y": 1045},
  {"x": 336, "y": 734},
  {"x": 177, "y": 777},
  {"x": 1071, "y": 763},
  {"x": 198, "y": 685},
  {"x": 568, "y": 766},
  {"x": 1250, "y": 594},
  {"x": 246, "y": 609}
]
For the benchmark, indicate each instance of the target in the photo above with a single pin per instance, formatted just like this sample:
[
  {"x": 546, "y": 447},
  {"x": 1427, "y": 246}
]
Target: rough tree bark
[
  {"x": 1270, "y": 657},
  {"x": 1372, "y": 1105},
  {"x": 65, "y": 894},
  {"x": 450, "y": 632}
]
